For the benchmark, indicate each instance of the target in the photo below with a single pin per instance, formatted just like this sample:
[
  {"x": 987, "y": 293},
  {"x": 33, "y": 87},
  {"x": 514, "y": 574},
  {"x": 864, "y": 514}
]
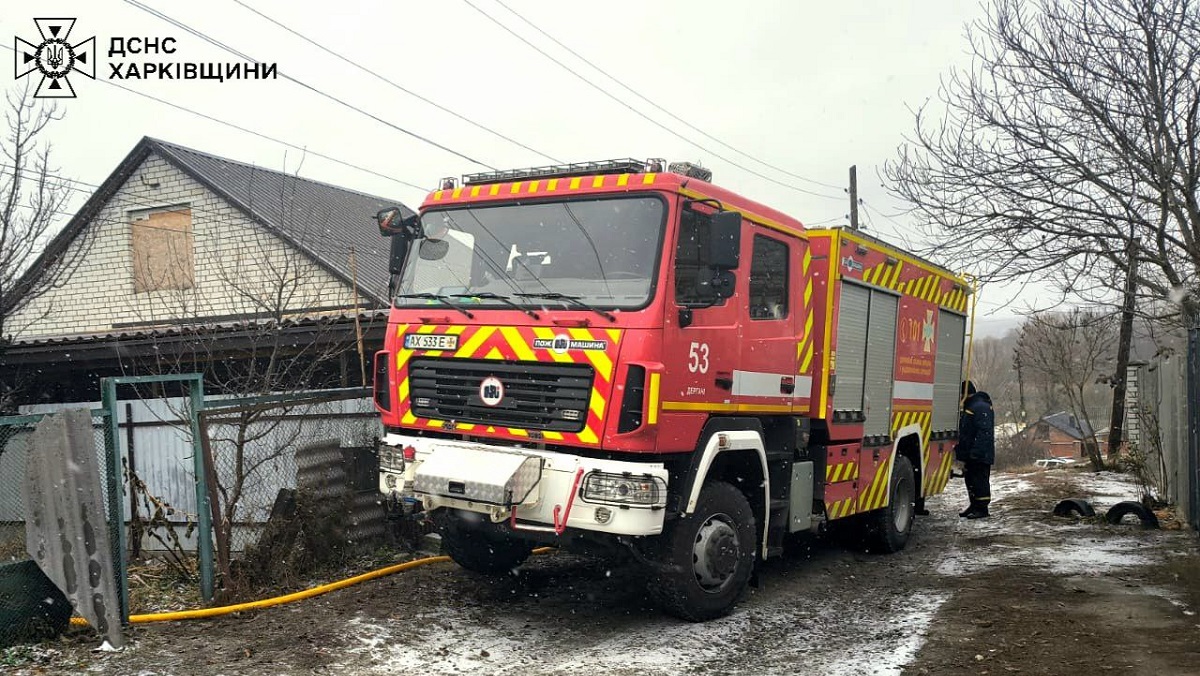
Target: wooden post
[
  {"x": 853, "y": 197},
  {"x": 362, "y": 360}
]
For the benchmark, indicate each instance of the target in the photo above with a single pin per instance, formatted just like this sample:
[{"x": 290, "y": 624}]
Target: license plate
[{"x": 430, "y": 341}]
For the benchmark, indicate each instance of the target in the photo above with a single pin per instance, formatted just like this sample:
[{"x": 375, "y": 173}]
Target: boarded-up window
[{"x": 162, "y": 250}]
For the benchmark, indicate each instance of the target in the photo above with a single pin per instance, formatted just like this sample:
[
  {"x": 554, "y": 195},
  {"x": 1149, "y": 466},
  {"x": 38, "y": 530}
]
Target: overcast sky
[{"x": 810, "y": 87}]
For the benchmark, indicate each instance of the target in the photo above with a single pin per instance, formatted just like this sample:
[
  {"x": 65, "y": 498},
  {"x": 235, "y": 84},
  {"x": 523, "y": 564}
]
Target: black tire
[
  {"x": 723, "y": 529},
  {"x": 890, "y": 527},
  {"x": 1122, "y": 509},
  {"x": 1074, "y": 507},
  {"x": 483, "y": 554}
]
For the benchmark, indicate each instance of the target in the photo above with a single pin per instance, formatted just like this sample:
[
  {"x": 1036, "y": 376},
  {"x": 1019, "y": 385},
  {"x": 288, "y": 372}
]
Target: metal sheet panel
[
  {"x": 851, "y": 347},
  {"x": 881, "y": 358},
  {"x": 67, "y": 534},
  {"x": 947, "y": 372}
]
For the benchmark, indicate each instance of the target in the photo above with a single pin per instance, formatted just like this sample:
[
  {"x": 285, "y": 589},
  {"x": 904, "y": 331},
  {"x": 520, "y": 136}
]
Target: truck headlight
[
  {"x": 391, "y": 459},
  {"x": 624, "y": 489}
]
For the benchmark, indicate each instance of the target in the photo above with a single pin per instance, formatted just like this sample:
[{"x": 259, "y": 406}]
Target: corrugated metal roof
[
  {"x": 320, "y": 219},
  {"x": 324, "y": 220},
  {"x": 164, "y": 331}
]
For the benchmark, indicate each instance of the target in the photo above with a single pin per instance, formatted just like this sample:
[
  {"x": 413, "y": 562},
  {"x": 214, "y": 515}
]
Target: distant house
[
  {"x": 178, "y": 244},
  {"x": 1061, "y": 435}
]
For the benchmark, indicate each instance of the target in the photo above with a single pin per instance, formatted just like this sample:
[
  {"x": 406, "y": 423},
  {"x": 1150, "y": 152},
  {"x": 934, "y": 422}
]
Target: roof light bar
[
  {"x": 691, "y": 171},
  {"x": 625, "y": 166}
]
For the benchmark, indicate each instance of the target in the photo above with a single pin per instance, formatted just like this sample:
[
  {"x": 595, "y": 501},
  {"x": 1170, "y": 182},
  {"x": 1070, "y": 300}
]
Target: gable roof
[
  {"x": 1068, "y": 424},
  {"x": 319, "y": 219}
]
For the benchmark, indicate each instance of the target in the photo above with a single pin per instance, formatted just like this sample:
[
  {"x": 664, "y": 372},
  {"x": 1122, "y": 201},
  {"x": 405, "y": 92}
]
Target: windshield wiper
[
  {"x": 570, "y": 300},
  {"x": 437, "y": 296},
  {"x": 487, "y": 295}
]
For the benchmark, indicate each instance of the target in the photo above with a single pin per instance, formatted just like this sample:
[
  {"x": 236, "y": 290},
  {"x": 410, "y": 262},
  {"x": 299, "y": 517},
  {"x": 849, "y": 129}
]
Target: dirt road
[{"x": 1019, "y": 593}]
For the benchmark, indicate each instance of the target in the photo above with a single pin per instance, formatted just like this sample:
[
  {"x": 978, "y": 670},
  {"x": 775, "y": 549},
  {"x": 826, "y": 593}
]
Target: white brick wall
[{"x": 239, "y": 267}]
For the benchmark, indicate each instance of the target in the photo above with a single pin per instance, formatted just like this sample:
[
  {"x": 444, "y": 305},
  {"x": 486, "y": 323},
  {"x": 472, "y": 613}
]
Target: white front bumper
[{"x": 559, "y": 486}]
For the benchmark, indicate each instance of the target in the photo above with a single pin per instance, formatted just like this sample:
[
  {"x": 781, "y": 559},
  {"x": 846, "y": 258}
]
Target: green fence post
[
  {"x": 116, "y": 518},
  {"x": 204, "y": 509}
]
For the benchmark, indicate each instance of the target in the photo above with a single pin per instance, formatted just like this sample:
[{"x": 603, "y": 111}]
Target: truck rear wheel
[
  {"x": 891, "y": 526},
  {"x": 481, "y": 553},
  {"x": 706, "y": 558}
]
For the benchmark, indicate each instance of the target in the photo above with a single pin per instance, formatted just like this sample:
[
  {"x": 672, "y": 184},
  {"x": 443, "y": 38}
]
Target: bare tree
[
  {"x": 274, "y": 332},
  {"x": 1072, "y": 352},
  {"x": 31, "y": 202},
  {"x": 1074, "y": 133}
]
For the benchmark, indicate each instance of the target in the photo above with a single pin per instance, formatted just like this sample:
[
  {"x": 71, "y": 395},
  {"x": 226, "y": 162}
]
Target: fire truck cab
[{"x": 621, "y": 357}]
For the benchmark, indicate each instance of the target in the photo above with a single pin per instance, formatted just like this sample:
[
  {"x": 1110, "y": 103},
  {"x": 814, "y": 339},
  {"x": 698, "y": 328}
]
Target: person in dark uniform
[{"x": 976, "y": 448}]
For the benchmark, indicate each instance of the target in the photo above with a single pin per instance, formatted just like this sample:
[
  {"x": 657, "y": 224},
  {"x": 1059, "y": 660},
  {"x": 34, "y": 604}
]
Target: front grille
[{"x": 537, "y": 396}]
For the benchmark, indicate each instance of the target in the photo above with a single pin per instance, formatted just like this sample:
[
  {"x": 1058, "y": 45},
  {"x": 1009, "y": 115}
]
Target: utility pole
[
  {"x": 1020, "y": 386},
  {"x": 853, "y": 197},
  {"x": 1116, "y": 422}
]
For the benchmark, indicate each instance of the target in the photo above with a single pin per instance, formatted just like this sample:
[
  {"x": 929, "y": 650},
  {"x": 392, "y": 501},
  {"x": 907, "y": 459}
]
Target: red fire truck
[{"x": 621, "y": 357}]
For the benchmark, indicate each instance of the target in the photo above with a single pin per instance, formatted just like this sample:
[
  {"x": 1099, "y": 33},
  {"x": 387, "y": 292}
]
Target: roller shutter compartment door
[
  {"x": 947, "y": 373},
  {"x": 881, "y": 356},
  {"x": 851, "y": 347}
]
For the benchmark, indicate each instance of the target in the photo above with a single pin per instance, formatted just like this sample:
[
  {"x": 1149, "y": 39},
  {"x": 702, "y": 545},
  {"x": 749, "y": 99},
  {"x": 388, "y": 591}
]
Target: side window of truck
[
  {"x": 769, "y": 279},
  {"x": 691, "y": 260}
]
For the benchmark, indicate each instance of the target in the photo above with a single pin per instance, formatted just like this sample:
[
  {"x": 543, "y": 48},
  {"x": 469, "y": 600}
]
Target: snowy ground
[{"x": 826, "y": 610}]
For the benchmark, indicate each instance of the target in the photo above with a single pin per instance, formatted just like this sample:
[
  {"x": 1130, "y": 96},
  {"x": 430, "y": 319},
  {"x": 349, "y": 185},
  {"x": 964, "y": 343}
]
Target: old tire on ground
[
  {"x": 889, "y": 528},
  {"x": 483, "y": 553},
  {"x": 707, "y": 557},
  {"x": 1122, "y": 509},
  {"x": 1074, "y": 507}
]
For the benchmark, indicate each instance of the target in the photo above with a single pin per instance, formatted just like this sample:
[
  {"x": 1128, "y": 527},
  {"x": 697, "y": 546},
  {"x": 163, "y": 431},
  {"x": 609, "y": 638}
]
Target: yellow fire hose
[{"x": 286, "y": 598}]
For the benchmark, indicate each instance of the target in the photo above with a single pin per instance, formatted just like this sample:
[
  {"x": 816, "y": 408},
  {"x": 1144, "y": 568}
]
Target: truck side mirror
[
  {"x": 392, "y": 222},
  {"x": 725, "y": 240}
]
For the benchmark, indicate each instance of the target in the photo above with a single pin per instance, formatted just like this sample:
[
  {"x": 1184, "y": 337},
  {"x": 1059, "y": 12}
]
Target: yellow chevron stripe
[
  {"x": 599, "y": 358},
  {"x": 575, "y": 183},
  {"x": 552, "y": 185},
  {"x": 806, "y": 362},
  {"x": 468, "y": 348},
  {"x": 895, "y": 278},
  {"x": 597, "y": 404},
  {"x": 517, "y": 342}
]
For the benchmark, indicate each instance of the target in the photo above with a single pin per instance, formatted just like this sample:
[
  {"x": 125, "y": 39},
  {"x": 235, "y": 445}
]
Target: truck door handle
[
  {"x": 724, "y": 380},
  {"x": 787, "y": 384}
]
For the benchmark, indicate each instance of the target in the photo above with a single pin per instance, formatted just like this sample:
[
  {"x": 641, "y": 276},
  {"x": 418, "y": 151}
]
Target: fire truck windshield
[{"x": 603, "y": 252}]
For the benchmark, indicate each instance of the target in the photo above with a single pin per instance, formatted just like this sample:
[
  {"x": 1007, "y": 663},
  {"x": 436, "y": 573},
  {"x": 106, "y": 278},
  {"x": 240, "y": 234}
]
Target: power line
[
  {"x": 639, "y": 113},
  {"x": 313, "y": 239},
  {"x": 641, "y": 96},
  {"x": 258, "y": 134},
  {"x": 331, "y": 97},
  {"x": 406, "y": 90},
  {"x": 896, "y": 228}
]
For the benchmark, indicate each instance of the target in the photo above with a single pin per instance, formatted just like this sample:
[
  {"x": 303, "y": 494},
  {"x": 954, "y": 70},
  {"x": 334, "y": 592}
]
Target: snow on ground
[
  {"x": 1061, "y": 547},
  {"x": 1105, "y": 489},
  {"x": 823, "y": 638}
]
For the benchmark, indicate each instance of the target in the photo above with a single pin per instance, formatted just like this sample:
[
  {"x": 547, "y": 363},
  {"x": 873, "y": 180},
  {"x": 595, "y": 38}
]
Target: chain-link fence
[
  {"x": 30, "y": 604},
  {"x": 292, "y": 484}
]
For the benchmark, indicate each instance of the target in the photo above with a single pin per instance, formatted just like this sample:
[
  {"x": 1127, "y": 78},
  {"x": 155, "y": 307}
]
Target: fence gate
[{"x": 156, "y": 447}]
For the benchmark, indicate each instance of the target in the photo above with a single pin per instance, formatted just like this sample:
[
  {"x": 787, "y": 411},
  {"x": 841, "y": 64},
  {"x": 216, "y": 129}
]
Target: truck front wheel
[
  {"x": 483, "y": 553},
  {"x": 706, "y": 558}
]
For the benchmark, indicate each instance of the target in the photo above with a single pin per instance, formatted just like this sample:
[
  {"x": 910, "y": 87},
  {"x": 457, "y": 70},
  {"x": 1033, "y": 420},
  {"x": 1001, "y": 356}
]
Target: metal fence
[
  {"x": 287, "y": 482},
  {"x": 292, "y": 483},
  {"x": 1164, "y": 417}
]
